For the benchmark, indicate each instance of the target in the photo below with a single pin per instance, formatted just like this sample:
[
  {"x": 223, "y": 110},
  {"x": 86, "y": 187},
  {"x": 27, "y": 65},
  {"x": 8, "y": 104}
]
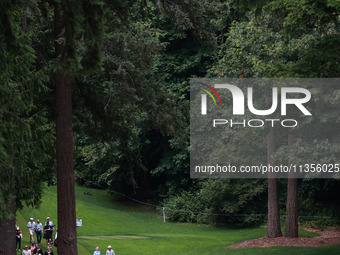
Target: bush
[
  {"x": 220, "y": 201},
  {"x": 188, "y": 207}
]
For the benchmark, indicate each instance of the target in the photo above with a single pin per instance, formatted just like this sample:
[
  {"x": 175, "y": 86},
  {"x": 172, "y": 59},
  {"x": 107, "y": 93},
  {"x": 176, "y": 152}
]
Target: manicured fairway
[{"x": 140, "y": 230}]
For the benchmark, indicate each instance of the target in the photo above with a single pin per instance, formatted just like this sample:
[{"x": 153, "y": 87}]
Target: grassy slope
[{"x": 136, "y": 231}]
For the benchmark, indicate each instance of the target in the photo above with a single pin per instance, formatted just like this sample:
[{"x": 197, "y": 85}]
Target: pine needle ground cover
[{"x": 135, "y": 230}]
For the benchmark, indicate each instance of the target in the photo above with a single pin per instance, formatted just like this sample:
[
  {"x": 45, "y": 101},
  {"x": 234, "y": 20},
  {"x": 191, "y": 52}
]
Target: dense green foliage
[
  {"x": 143, "y": 130},
  {"x": 230, "y": 201},
  {"x": 274, "y": 41},
  {"x": 26, "y": 134},
  {"x": 131, "y": 62}
]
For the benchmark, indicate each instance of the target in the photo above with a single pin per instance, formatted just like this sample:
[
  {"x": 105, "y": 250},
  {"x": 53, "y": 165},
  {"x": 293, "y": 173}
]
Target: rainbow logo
[{"x": 209, "y": 93}]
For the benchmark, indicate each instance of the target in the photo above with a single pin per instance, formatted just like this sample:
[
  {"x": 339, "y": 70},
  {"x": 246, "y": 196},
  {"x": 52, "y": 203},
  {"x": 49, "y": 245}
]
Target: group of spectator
[
  {"x": 35, "y": 249},
  {"x": 45, "y": 231},
  {"x": 108, "y": 252},
  {"x": 48, "y": 229}
]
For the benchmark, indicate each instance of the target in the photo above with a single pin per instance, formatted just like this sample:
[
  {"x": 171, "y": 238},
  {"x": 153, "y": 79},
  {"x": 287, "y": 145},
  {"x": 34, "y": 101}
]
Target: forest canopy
[{"x": 130, "y": 63}]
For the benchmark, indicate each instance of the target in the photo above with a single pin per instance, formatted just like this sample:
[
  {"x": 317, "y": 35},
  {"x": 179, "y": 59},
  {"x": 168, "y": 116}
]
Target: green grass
[{"x": 139, "y": 230}]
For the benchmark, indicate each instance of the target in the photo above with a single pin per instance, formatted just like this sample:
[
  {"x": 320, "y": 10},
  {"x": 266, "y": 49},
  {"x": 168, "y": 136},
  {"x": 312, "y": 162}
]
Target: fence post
[{"x": 164, "y": 214}]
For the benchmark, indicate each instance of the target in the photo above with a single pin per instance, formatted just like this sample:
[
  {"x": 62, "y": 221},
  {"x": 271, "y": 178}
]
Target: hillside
[{"x": 137, "y": 230}]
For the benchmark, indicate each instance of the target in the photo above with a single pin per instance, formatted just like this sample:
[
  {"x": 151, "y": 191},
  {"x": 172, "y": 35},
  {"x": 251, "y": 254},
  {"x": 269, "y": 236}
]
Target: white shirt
[
  {"x": 30, "y": 225},
  {"x": 108, "y": 252},
  {"x": 24, "y": 252}
]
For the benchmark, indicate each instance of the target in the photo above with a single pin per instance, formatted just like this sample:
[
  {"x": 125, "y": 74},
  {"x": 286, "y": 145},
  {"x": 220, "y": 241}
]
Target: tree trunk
[
  {"x": 67, "y": 233},
  {"x": 291, "y": 224},
  {"x": 7, "y": 234},
  {"x": 274, "y": 226}
]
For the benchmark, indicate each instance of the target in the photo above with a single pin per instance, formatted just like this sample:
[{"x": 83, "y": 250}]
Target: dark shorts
[{"x": 48, "y": 235}]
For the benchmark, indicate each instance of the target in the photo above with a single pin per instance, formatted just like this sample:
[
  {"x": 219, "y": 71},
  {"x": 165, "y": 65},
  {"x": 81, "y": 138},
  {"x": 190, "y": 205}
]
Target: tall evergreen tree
[
  {"x": 70, "y": 32},
  {"x": 274, "y": 224},
  {"x": 67, "y": 234},
  {"x": 291, "y": 224},
  {"x": 25, "y": 129}
]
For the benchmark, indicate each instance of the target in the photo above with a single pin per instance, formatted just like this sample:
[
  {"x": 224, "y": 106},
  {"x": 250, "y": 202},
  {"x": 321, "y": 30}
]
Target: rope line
[{"x": 207, "y": 213}]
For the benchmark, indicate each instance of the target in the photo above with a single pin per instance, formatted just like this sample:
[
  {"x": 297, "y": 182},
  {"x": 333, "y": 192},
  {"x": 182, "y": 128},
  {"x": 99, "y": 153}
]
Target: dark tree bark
[
  {"x": 274, "y": 226},
  {"x": 67, "y": 233},
  {"x": 7, "y": 234},
  {"x": 291, "y": 224}
]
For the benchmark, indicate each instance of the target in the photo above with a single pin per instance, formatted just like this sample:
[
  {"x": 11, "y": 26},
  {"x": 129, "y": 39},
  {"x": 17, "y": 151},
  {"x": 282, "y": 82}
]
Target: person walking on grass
[
  {"x": 30, "y": 226},
  {"x": 37, "y": 250},
  {"x": 18, "y": 234},
  {"x": 48, "y": 229},
  {"x": 49, "y": 251},
  {"x": 110, "y": 251},
  {"x": 38, "y": 230},
  {"x": 26, "y": 251},
  {"x": 32, "y": 247},
  {"x": 96, "y": 252}
]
